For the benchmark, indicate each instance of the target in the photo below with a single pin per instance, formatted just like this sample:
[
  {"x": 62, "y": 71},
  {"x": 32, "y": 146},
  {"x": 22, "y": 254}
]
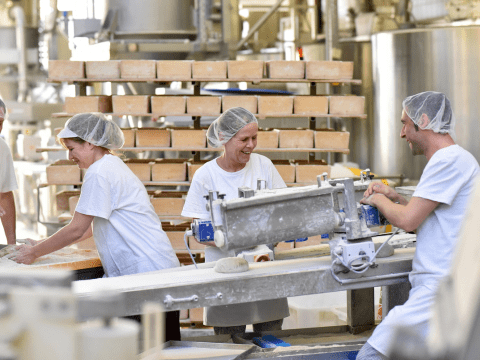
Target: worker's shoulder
[
  {"x": 459, "y": 157},
  {"x": 4, "y": 146}
]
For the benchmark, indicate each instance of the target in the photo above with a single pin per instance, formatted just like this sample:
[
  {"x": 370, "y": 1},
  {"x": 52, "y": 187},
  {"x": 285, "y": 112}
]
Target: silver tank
[
  {"x": 411, "y": 61},
  {"x": 152, "y": 16}
]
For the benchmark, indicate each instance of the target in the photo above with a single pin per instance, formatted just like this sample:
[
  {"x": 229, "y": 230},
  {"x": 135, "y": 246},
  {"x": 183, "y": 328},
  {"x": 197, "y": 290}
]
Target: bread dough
[
  {"x": 231, "y": 265},
  {"x": 7, "y": 250},
  {"x": 387, "y": 250}
]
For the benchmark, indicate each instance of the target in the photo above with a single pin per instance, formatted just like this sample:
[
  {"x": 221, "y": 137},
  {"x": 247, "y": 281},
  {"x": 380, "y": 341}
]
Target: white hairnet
[
  {"x": 437, "y": 108},
  {"x": 94, "y": 128},
  {"x": 228, "y": 124}
]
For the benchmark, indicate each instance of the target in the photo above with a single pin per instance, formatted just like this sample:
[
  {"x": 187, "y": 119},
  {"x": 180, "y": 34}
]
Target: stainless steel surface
[
  {"x": 35, "y": 278},
  {"x": 275, "y": 215},
  {"x": 411, "y": 61},
  {"x": 8, "y": 36},
  {"x": 152, "y": 16},
  {"x": 359, "y": 50},
  {"x": 263, "y": 281},
  {"x": 20, "y": 36},
  {"x": 259, "y": 23}
]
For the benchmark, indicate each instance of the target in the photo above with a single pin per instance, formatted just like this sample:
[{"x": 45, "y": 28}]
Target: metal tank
[
  {"x": 406, "y": 62},
  {"x": 153, "y": 17}
]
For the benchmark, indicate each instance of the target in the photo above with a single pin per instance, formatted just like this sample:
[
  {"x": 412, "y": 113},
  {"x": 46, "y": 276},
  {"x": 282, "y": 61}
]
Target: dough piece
[
  {"x": 7, "y": 250},
  {"x": 231, "y": 265},
  {"x": 386, "y": 251}
]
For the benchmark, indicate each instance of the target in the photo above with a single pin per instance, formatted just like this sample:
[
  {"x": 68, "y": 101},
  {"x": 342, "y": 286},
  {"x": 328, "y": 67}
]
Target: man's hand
[
  {"x": 24, "y": 254},
  {"x": 371, "y": 199},
  {"x": 377, "y": 187}
]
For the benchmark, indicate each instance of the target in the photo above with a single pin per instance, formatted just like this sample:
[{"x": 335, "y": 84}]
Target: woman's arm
[
  {"x": 7, "y": 203},
  {"x": 74, "y": 231}
]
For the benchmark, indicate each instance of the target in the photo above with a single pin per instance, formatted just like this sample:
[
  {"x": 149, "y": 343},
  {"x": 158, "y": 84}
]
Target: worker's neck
[
  {"x": 229, "y": 165},
  {"x": 437, "y": 142}
]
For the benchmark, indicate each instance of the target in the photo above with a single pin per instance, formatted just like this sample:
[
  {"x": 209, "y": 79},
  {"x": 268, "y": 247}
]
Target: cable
[
  {"x": 189, "y": 233},
  {"x": 361, "y": 268}
]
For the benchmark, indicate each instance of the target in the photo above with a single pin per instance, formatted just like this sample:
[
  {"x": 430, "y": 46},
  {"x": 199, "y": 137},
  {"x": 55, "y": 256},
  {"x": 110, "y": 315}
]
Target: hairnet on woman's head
[
  {"x": 94, "y": 128},
  {"x": 228, "y": 124},
  {"x": 436, "y": 107}
]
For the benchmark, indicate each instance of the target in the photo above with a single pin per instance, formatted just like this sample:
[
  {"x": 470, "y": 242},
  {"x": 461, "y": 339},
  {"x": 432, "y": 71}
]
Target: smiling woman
[
  {"x": 235, "y": 130},
  {"x": 127, "y": 232}
]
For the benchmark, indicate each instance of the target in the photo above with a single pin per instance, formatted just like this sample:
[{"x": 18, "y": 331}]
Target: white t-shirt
[
  {"x": 8, "y": 182},
  {"x": 449, "y": 179},
  {"x": 127, "y": 232},
  {"x": 212, "y": 177}
]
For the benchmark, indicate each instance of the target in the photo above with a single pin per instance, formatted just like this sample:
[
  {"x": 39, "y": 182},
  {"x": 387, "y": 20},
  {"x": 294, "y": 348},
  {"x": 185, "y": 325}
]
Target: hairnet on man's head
[
  {"x": 94, "y": 128},
  {"x": 436, "y": 107},
  {"x": 228, "y": 124}
]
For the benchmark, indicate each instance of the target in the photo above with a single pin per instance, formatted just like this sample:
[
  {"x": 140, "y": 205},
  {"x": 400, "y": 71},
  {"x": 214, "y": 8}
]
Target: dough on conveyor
[{"x": 231, "y": 265}]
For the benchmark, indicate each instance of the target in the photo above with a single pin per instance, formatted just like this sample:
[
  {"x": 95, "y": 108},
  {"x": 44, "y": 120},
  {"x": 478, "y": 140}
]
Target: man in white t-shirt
[
  {"x": 8, "y": 183},
  {"x": 436, "y": 211}
]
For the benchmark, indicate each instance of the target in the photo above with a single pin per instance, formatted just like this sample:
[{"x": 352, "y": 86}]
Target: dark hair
[{"x": 3, "y": 106}]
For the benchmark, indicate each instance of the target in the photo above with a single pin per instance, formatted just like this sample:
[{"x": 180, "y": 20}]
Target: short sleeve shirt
[
  {"x": 126, "y": 230},
  {"x": 8, "y": 182}
]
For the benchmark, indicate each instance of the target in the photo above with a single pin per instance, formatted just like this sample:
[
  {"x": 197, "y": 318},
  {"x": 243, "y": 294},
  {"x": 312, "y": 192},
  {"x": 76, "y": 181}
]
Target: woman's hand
[
  {"x": 24, "y": 254},
  {"x": 28, "y": 241}
]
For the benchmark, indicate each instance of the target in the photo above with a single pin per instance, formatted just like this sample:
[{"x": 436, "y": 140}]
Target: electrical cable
[
  {"x": 360, "y": 268},
  {"x": 189, "y": 233}
]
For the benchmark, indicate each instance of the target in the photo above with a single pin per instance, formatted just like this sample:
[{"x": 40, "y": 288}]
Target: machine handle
[{"x": 169, "y": 301}]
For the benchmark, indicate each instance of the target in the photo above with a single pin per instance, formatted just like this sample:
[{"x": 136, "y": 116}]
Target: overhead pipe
[
  {"x": 259, "y": 23},
  {"x": 19, "y": 16}
]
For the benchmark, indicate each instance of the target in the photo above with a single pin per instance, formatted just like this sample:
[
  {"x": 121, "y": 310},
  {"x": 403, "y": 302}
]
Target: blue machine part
[
  {"x": 263, "y": 343},
  {"x": 203, "y": 230},
  {"x": 276, "y": 341},
  {"x": 371, "y": 215},
  {"x": 323, "y": 236}
]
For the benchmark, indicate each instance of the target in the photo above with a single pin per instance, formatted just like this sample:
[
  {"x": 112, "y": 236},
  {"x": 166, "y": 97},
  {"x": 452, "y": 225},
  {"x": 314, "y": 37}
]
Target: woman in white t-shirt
[
  {"x": 127, "y": 232},
  {"x": 235, "y": 130}
]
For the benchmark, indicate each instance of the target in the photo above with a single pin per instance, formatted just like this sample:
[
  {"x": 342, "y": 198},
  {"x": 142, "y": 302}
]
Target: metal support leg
[
  {"x": 394, "y": 295},
  {"x": 313, "y": 120},
  {"x": 360, "y": 310},
  {"x": 81, "y": 89}
]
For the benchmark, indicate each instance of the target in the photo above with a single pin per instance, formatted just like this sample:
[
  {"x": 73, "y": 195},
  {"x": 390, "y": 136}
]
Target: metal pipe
[
  {"x": 19, "y": 16},
  {"x": 259, "y": 23}
]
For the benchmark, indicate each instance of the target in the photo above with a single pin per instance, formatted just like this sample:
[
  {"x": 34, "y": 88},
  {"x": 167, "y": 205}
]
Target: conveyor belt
[{"x": 187, "y": 287}]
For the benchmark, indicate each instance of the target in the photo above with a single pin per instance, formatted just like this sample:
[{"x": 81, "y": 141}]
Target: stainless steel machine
[{"x": 265, "y": 217}]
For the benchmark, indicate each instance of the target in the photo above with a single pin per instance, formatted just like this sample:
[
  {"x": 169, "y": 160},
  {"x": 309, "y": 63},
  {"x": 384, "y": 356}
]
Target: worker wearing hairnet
[
  {"x": 236, "y": 131},
  {"x": 8, "y": 183},
  {"x": 127, "y": 232},
  {"x": 435, "y": 211}
]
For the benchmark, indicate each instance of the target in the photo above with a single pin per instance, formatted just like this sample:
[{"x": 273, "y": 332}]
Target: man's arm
[
  {"x": 7, "y": 202},
  {"x": 78, "y": 227},
  {"x": 407, "y": 217}
]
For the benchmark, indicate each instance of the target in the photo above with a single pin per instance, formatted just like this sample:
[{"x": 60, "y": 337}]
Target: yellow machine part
[{"x": 357, "y": 172}]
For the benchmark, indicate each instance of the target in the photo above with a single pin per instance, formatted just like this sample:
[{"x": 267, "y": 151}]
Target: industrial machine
[
  {"x": 262, "y": 217},
  {"x": 265, "y": 216}
]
